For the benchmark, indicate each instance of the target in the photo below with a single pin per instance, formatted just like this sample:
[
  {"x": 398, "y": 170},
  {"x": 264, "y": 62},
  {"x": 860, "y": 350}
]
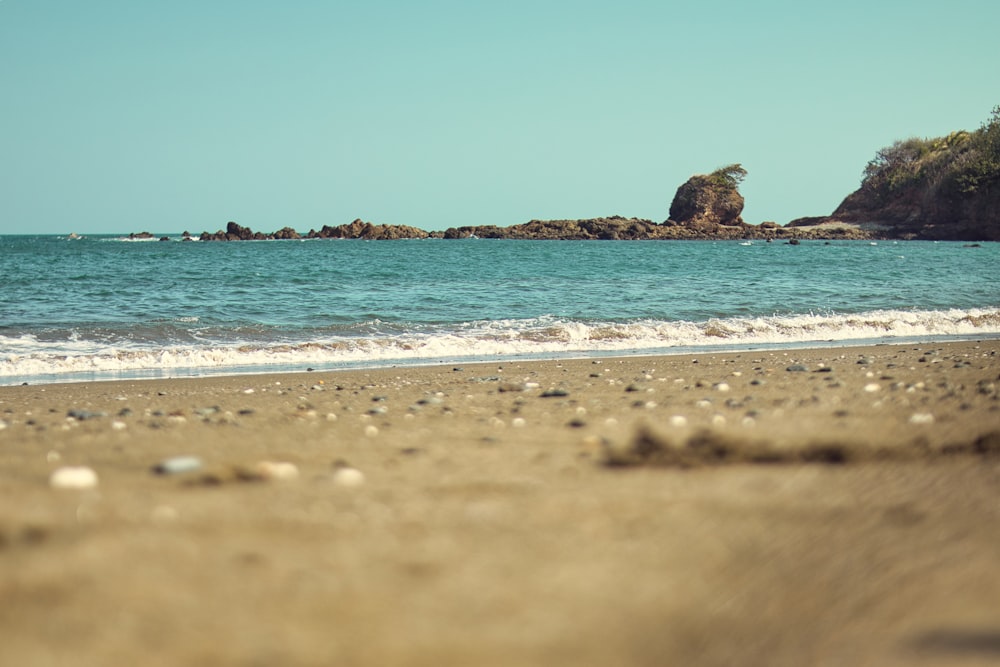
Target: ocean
[{"x": 103, "y": 307}]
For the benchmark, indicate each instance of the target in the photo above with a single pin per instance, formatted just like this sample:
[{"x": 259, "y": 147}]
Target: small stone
[
  {"x": 177, "y": 464},
  {"x": 796, "y": 368},
  {"x": 84, "y": 415},
  {"x": 518, "y": 422},
  {"x": 73, "y": 477},
  {"x": 347, "y": 476},
  {"x": 872, "y": 387},
  {"x": 922, "y": 418},
  {"x": 430, "y": 400},
  {"x": 722, "y": 386},
  {"x": 279, "y": 470},
  {"x": 371, "y": 431},
  {"x": 678, "y": 421},
  {"x": 555, "y": 393},
  {"x": 118, "y": 425}
]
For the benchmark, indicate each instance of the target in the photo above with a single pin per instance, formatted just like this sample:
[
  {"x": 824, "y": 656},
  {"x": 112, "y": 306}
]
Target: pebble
[
  {"x": 796, "y": 368},
  {"x": 678, "y": 421},
  {"x": 722, "y": 386},
  {"x": 371, "y": 430},
  {"x": 872, "y": 387},
  {"x": 3, "y": 424},
  {"x": 347, "y": 476},
  {"x": 177, "y": 464},
  {"x": 518, "y": 422},
  {"x": 84, "y": 415},
  {"x": 279, "y": 470},
  {"x": 555, "y": 393},
  {"x": 73, "y": 477},
  {"x": 922, "y": 418}
]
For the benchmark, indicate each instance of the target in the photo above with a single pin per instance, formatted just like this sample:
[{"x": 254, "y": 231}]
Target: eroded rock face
[{"x": 706, "y": 199}]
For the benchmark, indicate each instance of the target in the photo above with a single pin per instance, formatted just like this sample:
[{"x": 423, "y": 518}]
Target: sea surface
[{"x": 102, "y": 307}]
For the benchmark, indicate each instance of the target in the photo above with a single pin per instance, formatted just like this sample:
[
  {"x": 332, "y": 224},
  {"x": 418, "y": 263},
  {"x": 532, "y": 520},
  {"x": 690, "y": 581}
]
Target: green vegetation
[
  {"x": 956, "y": 166},
  {"x": 729, "y": 177}
]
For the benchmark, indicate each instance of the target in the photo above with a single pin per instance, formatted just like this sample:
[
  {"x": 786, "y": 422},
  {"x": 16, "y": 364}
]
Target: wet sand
[{"x": 832, "y": 506}]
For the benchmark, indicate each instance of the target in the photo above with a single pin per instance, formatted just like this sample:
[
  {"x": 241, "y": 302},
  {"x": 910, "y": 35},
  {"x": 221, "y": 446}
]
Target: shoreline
[
  {"x": 785, "y": 506},
  {"x": 194, "y": 372}
]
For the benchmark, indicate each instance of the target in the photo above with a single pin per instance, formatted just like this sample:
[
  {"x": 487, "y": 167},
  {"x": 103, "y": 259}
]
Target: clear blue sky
[{"x": 126, "y": 115}]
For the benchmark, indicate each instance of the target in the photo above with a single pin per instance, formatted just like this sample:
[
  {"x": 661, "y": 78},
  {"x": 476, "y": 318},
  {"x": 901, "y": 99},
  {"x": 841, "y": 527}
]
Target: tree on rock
[{"x": 710, "y": 198}]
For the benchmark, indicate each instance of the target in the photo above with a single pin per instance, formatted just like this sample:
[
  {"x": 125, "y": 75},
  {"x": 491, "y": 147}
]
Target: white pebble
[
  {"x": 872, "y": 388},
  {"x": 331, "y": 417},
  {"x": 3, "y": 424},
  {"x": 177, "y": 464},
  {"x": 371, "y": 430},
  {"x": 922, "y": 418},
  {"x": 248, "y": 391},
  {"x": 679, "y": 421},
  {"x": 118, "y": 426},
  {"x": 718, "y": 420},
  {"x": 281, "y": 470},
  {"x": 347, "y": 476},
  {"x": 722, "y": 386},
  {"x": 73, "y": 477},
  {"x": 518, "y": 422},
  {"x": 704, "y": 403}
]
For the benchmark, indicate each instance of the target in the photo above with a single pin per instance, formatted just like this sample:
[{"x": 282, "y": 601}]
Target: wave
[{"x": 30, "y": 357}]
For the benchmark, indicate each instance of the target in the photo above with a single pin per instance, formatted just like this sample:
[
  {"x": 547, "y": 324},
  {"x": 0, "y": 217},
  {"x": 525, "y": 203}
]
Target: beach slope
[{"x": 829, "y": 506}]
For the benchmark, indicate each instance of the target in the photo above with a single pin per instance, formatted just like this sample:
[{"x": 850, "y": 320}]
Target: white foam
[{"x": 26, "y": 356}]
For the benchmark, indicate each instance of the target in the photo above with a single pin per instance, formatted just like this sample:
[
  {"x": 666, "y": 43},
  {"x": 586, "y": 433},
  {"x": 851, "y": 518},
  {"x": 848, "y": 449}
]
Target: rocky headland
[{"x": 946, "y": 188}]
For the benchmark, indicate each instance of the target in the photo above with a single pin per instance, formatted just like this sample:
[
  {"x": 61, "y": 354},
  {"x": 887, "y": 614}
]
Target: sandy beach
[{"x": 829, "y": 506}]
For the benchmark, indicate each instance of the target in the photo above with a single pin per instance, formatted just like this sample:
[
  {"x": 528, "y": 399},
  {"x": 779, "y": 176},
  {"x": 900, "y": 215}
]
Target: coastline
[{"x": 786, "y": 506}]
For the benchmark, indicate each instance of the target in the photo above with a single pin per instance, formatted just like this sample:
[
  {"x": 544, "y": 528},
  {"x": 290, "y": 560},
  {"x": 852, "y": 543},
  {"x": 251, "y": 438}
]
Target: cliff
[{"x": 945, "y": 188}]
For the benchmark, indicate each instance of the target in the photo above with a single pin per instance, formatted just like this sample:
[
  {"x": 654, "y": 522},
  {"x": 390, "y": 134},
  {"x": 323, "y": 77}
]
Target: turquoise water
[{"x": 102, "y": 307}]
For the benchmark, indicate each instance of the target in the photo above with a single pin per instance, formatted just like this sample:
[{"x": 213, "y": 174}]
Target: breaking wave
[{"x": 79, "y": 356}]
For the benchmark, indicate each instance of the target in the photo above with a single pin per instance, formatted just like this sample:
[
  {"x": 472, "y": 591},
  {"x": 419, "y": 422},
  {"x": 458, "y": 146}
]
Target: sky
[{"x": 120, "y": 116}]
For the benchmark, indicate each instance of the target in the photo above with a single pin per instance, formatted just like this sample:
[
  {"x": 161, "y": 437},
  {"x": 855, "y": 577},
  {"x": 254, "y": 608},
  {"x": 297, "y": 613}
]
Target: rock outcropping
[
  {"x": 710, "y": 199},
  {"x": 359, "y": 229},
  {"x": 947, "y": 188}
]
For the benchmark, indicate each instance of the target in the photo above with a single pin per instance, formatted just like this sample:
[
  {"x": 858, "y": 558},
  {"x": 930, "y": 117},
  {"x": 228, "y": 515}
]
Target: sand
[{"x": 831, "y": 506}]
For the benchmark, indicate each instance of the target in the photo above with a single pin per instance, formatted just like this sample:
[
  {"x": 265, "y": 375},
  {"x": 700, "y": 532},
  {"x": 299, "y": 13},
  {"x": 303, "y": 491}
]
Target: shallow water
[{"x": 101, "y": 307}]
